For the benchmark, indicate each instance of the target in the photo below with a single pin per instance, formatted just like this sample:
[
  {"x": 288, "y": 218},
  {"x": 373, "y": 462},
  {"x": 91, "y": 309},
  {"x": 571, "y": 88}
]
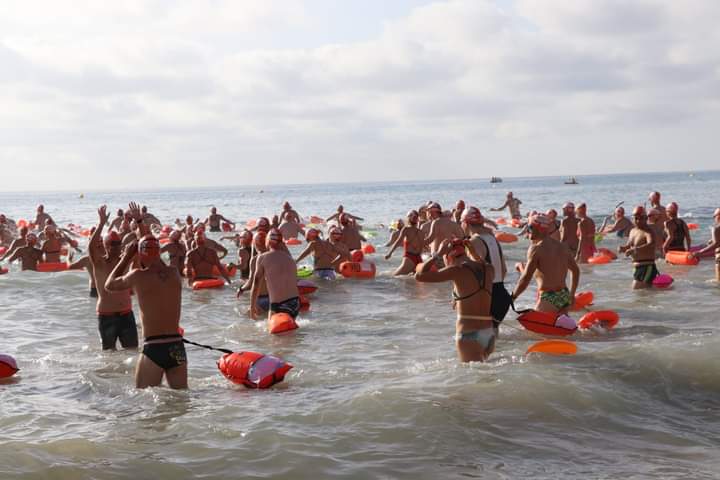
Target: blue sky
[{"x": 191, "y": 93}]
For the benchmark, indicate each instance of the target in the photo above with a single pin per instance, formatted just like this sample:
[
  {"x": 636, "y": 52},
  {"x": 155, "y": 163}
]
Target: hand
[
  {"x": 629, "y": 252},
  {"x": 103, "y": 215},
  {"x": 130, "y": 249},
  {"x": 239, "y": 292},
  {"x": 134, "y": 211},
  {"x": 692, "y": 255},
  {"x": 254, "y": 311},
  {"x": 387, "y": 257},
  {"x": 445, "y": 248}
]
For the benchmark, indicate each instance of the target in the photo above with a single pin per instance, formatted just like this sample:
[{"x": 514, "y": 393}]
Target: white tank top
[{"x": 495, "y": 259}]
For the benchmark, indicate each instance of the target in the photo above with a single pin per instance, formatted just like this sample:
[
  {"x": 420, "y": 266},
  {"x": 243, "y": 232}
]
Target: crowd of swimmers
[{"x": 458, "y": 246}]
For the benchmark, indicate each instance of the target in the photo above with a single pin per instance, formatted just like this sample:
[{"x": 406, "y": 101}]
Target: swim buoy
[
  {"x": 693, "y": 226},
  {"x": 553, "y": 347},
  {"x": 357, "y": 256},
  {"x": 680, "y": 258},
  {"x": 605, "y": 318},
  {"x": 52, "y": 267},
  {"x": 368, "y": 249},
  {"x": 281, "y": 322},
  {"x": 208, "y": 283},
  {"x": 306, "y": 287},
  {"x": 505, "y": 237},
  {"x": 663, "y": 281},
  {"x": 362, "y": 269},
  {"x": 85, "y": 232},
  {"x": 501, "y": 221},
  {"x": 515, "y": 222},
  {"x": 164, "y": 240},
  {"x": 231, "y": 270},
  {"x": 21, "y": 223},
  {"x": 8, "y": 366},
  {"x": 547, "y": 323},
  {"x": 3, "y": 250},
  {"x": 251, "y": 224},
  {"x": 607, "y": 252},
  {"x": 599, "y": 260},
  {"x": 582, "y": 300},
  {"x": 316, "y": 219},
  {"x": 304, "y": 272},
  {"x": 3, "y": 271},
  {"x": 293, "y": 241},
  {"x": 252, "y": 369}
]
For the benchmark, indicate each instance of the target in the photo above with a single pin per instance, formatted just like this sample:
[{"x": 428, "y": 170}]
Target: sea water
[{"x": 377, "y": 390}]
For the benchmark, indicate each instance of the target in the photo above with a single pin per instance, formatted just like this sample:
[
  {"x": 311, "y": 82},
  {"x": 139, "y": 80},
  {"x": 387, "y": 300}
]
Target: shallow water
[{"x": 377, "y": 391}]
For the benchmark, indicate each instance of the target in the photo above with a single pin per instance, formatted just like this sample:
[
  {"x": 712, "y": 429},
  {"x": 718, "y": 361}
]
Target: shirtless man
[
  {"x": 641, "y": 247},
  {"x": 323, "y": 252},
  {"x": 512, "y": 204},
  {"x": 116, "y": 320},
  {"x": 276, "y": 269},
  {"x": 289, "y": 215},
  {"x": 340, "y": 211},
  {"x": 176, "y": 251},
  {"x": 395, "y": 229},
  {"x": 41, "y": 219},
  {"x": 290, "y": 228},
  {"x": 7, "y": 233},
  {"x": 676, "y": 231},
  {"x": 52, "y": 246},
  {"x": 159, "y": 292},
  {"x": 16, "y": 243},
  {"x": 488, "y": 250},
  {"x": 657, "y": 225},
  {"x": 213, "y": 221},
  {"x": 555, "y": 231},
  {"x": 713, "y": 244},
  {"x": 475, "y": 332},
  {"x": 441, "y": 228},
  {"x": 118, "y": 220},
  {"x": 621, "y": 225},
  {"x": 549, "y": 261},
  {"x": 245, "y": 253},
  {"x": 586, "y": 232},
  {"x": 335, "y": 237},
  {"x": 29, "y": 255},
  {"x": 350, "y": 233},
  {"x": 201, "y": 260},
  {"x": 413, "y": 242},
  {"x": 458, "y": 211},
  {"x": 654, "y": 199},
  {"x": 148, "y": 218},
  {"x": 569, "y": 228},
  {"x": 263, "y": 300}
]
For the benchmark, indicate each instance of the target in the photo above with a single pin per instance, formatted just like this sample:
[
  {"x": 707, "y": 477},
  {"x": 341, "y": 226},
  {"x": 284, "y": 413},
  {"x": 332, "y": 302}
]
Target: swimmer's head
[
  {"x": 23, "y": 231},
  {"x": 413, "y": 217},
  {"x": 144, "y": 209},
  {"x": 552, "y": 213},
  {"x": 568, "y": 208},
  {"x": 189, "y": 220},
  {"x": 435, "y": 210},
  {"x": 263, "y": 224},
  {"x": 340, "y": 209},
  {"x": 457, "y": 250},
  {"x": 620, "y": 212},
  {"x": 472, "y": 216},
  {"x": 3, "y": 219},
  {"x": 460, "y": 205},
  {"x": 312, "y": 234},
  {"x": 640, "y": 215},
  {"x": 509, "y": 195},
  {"x": 540, "y": 225},
  {"x": 672, "y": 209},
  {"x": 50, "y": 229},
  {"x": 654, "y": 198},
  {"x": 200, "y": 237},
  {"x": 335, "y": 233},
  {"x": 120, "y": 212},
  {"x": 40, "y": 208},
  {"x": 274, "y": 239},
  {"x": 213, "y": 211},
  {"x": 344, "y": 219},
  {"x": 581, "y": 208},
  {"x": 31, "y": 239},
  {"x": 175, "y": 235},
  {"x": 286, "y": 206},
  {"x": 148, "y": 250},
  {"x": 112, "y": 239},
  {"x": 246, "y": 238},
  {"x": 259, "y": 241}
]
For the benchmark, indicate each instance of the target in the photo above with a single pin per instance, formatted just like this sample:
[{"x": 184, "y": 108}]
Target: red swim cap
[
  {"x": 540, "y": 222},
  {"x": 112, "y": 239},
  {"x": 672, "y": 207},
  {"x": 274, "y": 239},
  {"x": 458, "y": 248},
  {"x": 31, "y": 239},
  {"x": 148, "y": 250},
  {"x": 472, "y": 216},
  {"x": 639, "y": 211}
]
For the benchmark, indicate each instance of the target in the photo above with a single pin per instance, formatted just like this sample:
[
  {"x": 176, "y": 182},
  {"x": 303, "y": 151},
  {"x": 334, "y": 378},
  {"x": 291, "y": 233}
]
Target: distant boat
[
  {"x": 495, "y": 180},
  {"x": 571, "y": 181}
]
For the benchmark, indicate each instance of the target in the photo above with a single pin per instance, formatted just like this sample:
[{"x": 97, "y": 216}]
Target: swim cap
[
  {"x": 654, "y": 196},
  {"x": 31, "y": 239},
  {"x": 552, "y": 213},
  {"x": 263, "y": 224},
  {"x": 246, "y": 238},
  {"x": 460, "y": 204},
  {"x": 472, "y": 216},
  {"x": 458, "y": 248},
  {"x": 312, "y": 234},
  {"x": 509, "y": 194},
  {"x": 286, "y": 205},
  {"x": 412, "y": 216},
  {"x": 540, "y": 222},
  {"x": 620, "y": 210},
  {"x": 582, "y": 206},
  {"x": 175, "y": 235},
  {"x": 639, "y": 211},
  {"x": 274, "y": 239},
  {"x": 112, "y": 239},
  {"x": 672, "y": 207},
  {"x": 569, "y": 205},
  {"x": 148, "y": 250},
  {"x": 435, "y": 206},
  {"x": 259, "y": 238},
  {"x": 50, "y": 228},
  {"x": 335, "y": 231}
]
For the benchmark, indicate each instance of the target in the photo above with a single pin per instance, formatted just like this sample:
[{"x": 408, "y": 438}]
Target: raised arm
[
  {"x": 94, "y": 250},
  {"x": 308, "y": 250},
  {"x": 116, "y": 280}
]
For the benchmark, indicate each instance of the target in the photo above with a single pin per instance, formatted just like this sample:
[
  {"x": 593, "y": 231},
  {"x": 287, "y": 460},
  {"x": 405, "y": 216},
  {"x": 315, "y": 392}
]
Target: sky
[{"x": 173, "y": 93}]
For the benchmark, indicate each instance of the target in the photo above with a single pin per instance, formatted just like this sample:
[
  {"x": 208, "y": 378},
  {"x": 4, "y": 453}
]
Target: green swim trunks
[
  {"x": 559, "y": 299},
  {"x": 645, "y": 273}
]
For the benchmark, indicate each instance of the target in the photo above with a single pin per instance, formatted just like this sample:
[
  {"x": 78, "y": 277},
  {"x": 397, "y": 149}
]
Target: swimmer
[
  {"x": 713, "y": 244},
  {"x": 569, "y": 228},
  {"x": 29, "y": 255},
  {"x": 657, "y": 225},
  {"x": 458, "y": 211},
  {"x": 7, "y": 234},
  {"x": 262, "y": 225},
  {"x": 676, "y": 231},
  {"x": 213, "y": 221},
  {"x": 621, "y": 225},
  {"x": 441, "y": 228},
  {"x": 323, "y": 252},
  {"x": 512, "y": 204},
  {"x": 276, "y": 269},
  {"x": 549, "y": 261},
  {"x": 413, "y": 241},
  {"x": 641, "y": 247},
  {"x": 654, "y": 199},
  {"x": 263, "y": 300},
  {"x": 52, "y": 245},
  {"x": 176, "y": 251},
  {"x": 350, "y": 234},
  {"x": 555, "y": 232},
  {"x": 118, "y": 220},
  {"x": 288, "y": 215},
  {"x": 201, "y": 260},
  {"x": 475, "y": 332},
  {"x": 340, "y": 211},
  {"x": 159, "y": 292},
  {"x": 41, "y": 218},
  {"x": 245, "y": 253},
  {"x": 16, "y": 243},
  {"x": 488, "y": 249},
  {"x": 395, "y": 230},
  {"x": 116, "y": 320},
  {"x": 289, "y": 228},
  {"x": 586, "y": 233},
  {"x": 335, "y": 237},
  {"x": 148, "y": 218}
]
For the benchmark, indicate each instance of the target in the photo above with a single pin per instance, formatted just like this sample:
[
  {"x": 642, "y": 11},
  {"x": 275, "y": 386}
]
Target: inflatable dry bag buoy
[
  {"x": 52, "y": 267},
  {"x": 306, "y": 287},
  {"x": 663, "y": 281},
  {"x": 281, "y": 322},
  {"x": 362, "y": 269},
  {"x": 368, "y": 249},
  {"x": 293, "y": 241},
  {"x": 675, "y": 257},
  {"x": 553, "y": 347},
  {"x": 252, "y": 369},
  {"x": 582, "y": 300},
  {"x": 604, "y": 318},
  {"x": 8, "y": 367},
  {"x": 208, "y": 283},
  {"x": 548, "y": 323}
]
